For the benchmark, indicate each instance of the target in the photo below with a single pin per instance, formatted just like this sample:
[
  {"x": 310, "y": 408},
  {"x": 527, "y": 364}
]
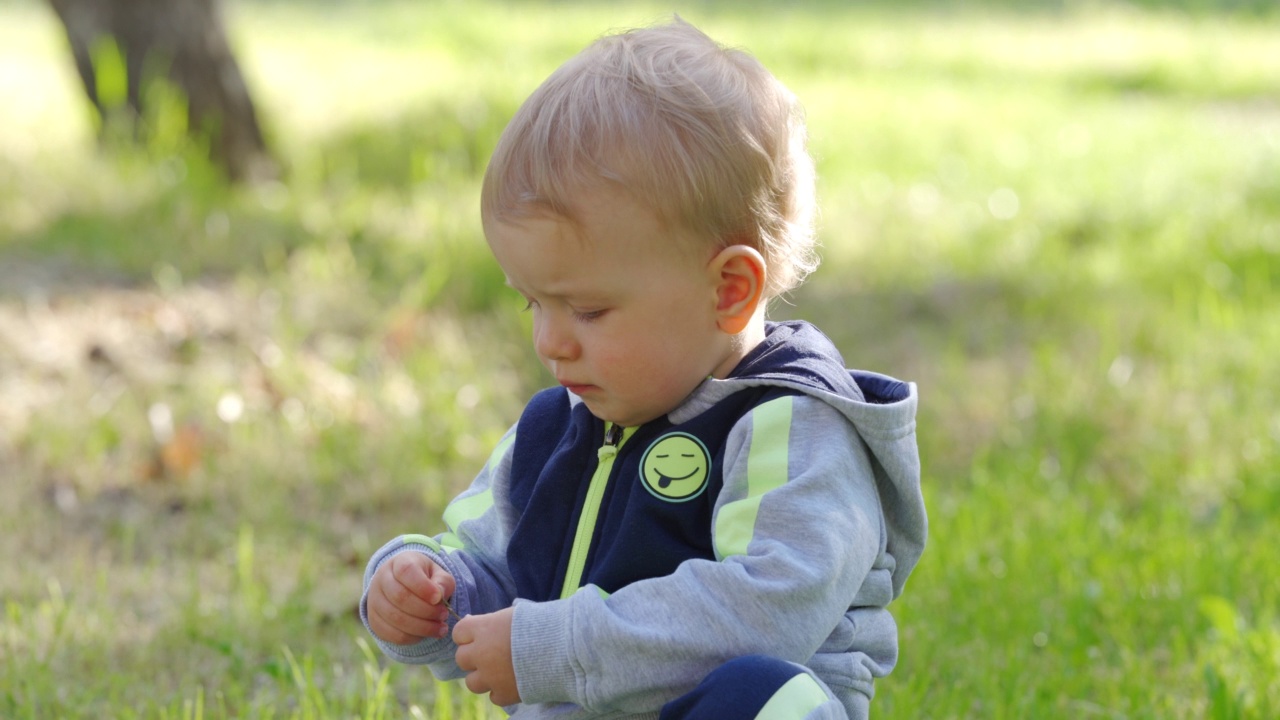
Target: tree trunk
[{"x": 187, "y": 39}]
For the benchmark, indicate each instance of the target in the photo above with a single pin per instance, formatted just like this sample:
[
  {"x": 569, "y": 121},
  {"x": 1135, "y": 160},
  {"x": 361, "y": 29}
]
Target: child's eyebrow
[{"x": 567, "y": 295}]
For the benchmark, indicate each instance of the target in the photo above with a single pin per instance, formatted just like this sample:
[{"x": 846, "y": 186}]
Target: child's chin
[{"x": 604, "y": 411}]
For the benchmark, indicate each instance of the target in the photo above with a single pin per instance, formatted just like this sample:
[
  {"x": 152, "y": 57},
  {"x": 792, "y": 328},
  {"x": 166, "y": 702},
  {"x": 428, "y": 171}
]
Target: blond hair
[{"x": 703, "y": 135}]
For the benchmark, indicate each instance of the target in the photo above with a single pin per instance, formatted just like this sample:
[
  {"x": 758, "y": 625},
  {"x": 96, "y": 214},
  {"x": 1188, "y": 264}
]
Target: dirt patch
[{"x": 61, "y": 327}]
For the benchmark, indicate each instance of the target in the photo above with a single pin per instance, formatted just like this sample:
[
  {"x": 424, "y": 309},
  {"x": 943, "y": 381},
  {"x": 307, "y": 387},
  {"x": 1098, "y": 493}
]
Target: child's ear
[{"x": 738, "y": 272}]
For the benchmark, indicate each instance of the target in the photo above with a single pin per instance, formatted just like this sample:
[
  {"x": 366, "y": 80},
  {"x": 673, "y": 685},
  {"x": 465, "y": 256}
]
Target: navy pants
[{"x": 756, "y": 687}]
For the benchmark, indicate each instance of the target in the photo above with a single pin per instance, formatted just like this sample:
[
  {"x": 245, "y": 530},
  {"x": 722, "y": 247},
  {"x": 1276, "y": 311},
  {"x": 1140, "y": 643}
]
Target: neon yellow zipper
[{"x": 614, "y": 437}]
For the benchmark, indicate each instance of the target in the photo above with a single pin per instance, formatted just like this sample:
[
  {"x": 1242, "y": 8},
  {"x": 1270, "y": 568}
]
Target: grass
[{"x": 1063, "y": 224}]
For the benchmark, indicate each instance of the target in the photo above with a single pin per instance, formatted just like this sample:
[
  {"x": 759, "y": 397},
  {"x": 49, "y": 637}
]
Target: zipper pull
[{"x": 612, "y": 437}]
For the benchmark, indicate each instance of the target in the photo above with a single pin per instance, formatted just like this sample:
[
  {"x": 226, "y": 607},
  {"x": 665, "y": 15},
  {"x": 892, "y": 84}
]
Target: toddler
[{"x": 709, "y": 515}]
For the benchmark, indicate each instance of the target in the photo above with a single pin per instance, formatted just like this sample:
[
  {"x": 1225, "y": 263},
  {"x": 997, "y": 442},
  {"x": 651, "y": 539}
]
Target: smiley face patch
[{"x": 676, "y": 467}]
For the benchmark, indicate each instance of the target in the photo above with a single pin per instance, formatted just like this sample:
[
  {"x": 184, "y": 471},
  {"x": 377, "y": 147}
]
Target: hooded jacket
[{"x": 777, "y": 511}]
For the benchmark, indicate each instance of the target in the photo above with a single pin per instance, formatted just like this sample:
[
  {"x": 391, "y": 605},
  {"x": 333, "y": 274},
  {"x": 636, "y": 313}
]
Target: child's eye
[
  {"x": 587, "y": 315},
  {"x": 529, "y": 304}
]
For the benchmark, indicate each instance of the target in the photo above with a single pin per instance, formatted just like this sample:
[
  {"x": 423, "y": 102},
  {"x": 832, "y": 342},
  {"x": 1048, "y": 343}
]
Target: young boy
[{"x": 709, "y": 516}]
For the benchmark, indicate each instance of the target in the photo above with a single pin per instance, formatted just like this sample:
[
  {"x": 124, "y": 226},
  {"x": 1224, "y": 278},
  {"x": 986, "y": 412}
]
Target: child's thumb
[{"x": 443, "y": 580}]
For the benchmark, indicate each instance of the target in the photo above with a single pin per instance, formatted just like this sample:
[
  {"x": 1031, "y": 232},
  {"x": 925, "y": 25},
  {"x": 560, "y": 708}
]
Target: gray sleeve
[{"x": 472, "y": 550}]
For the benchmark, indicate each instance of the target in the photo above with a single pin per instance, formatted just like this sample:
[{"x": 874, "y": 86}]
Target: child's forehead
[
  {"x": 544, "y": 236},
  {"x": 592, "y": 214},
  {"x": 610, "y": 244}
]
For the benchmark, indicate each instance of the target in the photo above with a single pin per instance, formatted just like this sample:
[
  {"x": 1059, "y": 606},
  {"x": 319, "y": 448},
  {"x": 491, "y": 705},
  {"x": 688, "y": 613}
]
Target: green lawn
[{"x": 1063, "y": 224}]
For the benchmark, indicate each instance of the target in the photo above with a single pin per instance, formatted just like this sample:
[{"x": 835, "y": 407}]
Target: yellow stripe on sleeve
[
  {"x": 473, "y": 506},
  {"x": 766, "y": 470}
]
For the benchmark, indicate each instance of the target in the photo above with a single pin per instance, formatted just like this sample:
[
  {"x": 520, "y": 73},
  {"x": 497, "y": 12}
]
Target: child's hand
[
  {"x": 407, "y": 599},
  {"x": 484, "y": 652}
]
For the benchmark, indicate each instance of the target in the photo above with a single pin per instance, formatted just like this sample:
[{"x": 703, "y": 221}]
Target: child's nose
[{"x": 553, "y": 338}]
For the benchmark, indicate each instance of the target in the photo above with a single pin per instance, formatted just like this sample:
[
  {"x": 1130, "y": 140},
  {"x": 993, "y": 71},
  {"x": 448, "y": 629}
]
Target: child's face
[{"x": 622, "y": 315}]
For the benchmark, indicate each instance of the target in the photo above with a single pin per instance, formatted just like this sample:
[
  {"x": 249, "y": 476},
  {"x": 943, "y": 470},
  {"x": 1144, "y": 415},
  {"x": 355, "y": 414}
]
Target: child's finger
[
  {"x": 414, "y": 571},
  {"x": 475, "y": 683},
  {"x": 463, "y": 635},
  {"x": 443, "y": 579},
  {"x": 404, "y": 592},
  {"x": 394, "y": 626}
]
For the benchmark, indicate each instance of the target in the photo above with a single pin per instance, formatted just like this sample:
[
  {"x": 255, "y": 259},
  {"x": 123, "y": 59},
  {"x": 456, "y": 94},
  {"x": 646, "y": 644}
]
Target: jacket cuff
[
  {"x": 541, "y": 652},
  {"x": 427, "y": 651},
  {"x": 438, "y": 653}
]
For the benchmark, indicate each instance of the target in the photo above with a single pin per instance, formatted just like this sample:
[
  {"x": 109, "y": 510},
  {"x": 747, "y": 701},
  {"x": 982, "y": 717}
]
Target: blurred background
[{"x": 235, "y": 361}]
